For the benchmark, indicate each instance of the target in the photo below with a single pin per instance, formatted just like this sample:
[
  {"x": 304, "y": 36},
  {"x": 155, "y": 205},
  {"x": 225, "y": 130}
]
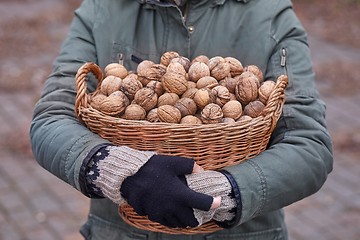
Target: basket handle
[
  {"x": 276, "y": 101},
  {"x": 81, "y": 96}
]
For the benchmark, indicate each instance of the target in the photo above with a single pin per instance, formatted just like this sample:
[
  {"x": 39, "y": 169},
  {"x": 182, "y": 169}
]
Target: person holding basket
[{"x": 244, "y": 200}]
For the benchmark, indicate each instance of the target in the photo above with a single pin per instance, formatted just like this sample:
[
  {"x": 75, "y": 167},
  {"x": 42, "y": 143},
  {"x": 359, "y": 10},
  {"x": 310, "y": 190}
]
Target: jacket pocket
[
  {"x": 130, "y": 57},
  {"x": 273, "y": 234}
]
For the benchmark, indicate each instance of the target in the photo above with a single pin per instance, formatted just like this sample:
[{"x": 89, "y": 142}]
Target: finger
[
  {"x": 216, "y": 203},
  {"x": 187, "y": 218},
  {"x": 197, "y": 200},
  {"x": 197, "y": 169}
]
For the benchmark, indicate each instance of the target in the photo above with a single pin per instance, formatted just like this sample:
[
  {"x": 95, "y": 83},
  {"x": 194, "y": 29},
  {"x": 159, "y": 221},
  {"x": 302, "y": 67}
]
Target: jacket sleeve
[
  {"x": 59, "y": 141},
  {"x": 299, "y": 155}
]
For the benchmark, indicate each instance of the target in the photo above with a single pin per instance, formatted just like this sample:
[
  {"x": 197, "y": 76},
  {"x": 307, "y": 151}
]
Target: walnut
[
  {"x": 169, "y": 114},
  {"x": 185, "y": 62},
  {"x": 166, "y": 58},
  {"x": 174, "y": 82},
  {"x": 186, "y": 106},
  {"x": 265, "y": 90},
  {"x": 130, "y": 85},
  {"x": 97, "y": 100},
  {"x": 206, "y": 81},
  {"x": 236, "y": 68},
  {"x": 227, "y": 120},
  {"x": 246, "y": 89},
  {"x": 201, "y": 58},
  {"x": 152, "y": 115},
  {"x": 190, "y": 119},
  {"x": 219, "y": 67},
  {"x": 134, "y": 112},
  {"x": 156, "y": 86},
  {"x": 189, "y": 93},
  {"x": 256, "y": 71},
  {"x": 168, "y": 99},
  {"x": 155, "y": 72},
  {"x": 142, "y": 69},
  {"x": 254, "y": 108},
  {"x": 211, "y": 113},
  {"x": 230, "y": 83},
  {"x": 221, "y": 95},
  {"x": 245, "y": 119},
  {"x": 146, "y": 98},
  {"x": 114, "y": 104},
  {"x": 198, "y": 70},
  {"x": 116, "y": 69},
  {"x": 110, "y": 84},
  {"x": 232, "y": 109},
  {"x": 202, "y": 97},
  {"x": 177, "y": 68},
  {"x": 191, "y": 84}
]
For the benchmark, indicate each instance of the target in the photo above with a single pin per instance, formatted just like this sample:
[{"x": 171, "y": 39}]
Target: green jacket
[{"x": 262, "y": 32}]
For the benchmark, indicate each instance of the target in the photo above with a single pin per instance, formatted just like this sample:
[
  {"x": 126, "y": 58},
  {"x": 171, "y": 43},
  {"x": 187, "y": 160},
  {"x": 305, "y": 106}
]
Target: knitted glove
[
  {"x": 159, "y": 190},
  {"x": 214, "y": 184},
  {"x": 110, "y": 166}
]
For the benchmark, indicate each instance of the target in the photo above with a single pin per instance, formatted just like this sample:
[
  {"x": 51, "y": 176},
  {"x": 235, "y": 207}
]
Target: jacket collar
[{"x": 167, "y": 3}]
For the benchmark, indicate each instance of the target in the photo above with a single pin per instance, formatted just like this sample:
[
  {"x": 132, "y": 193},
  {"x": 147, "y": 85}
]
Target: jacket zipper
[{"x": 283, "y": 57}]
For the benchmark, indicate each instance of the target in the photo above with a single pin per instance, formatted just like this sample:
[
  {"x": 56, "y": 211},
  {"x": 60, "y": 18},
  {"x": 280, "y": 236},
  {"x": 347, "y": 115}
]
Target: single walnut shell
[
  {"x": 186, "y": 106},
  {"x": 190, "y": 119},
  {"x": 116, "y": 69},
  {"x": 141, "y": 71},
  {"x": 202, "y": 97},
  {"x": 230, "y": 83},
  {"x": 130, "y": 85},
  {"x": 245, "y": 119},
  {"x": 201, "y": 58},
  {"x": 246, "y": 89},
  {"x": 227, "y": 120},
  {"x": 232, "y": 109},
  {"x": 152, "y": 115},
  {"x": 114, "y": 104},
  {"x": 156, "y": 86},
  {"x": 177, "y": 68},
  {"x": 265, "y": 90},
  {"x": 97, "y": 100},
  {"x": 236, "y": 68},
  {"x": 206, "y": 81},
  {"x": 155, "y": 72},
  {"x": 211, "y": 113},
  {"x": 146, "y": 98},
  {"x": 168, "y": 99},
  {"x": 110, "y": 84},
  {"x": 169, "y": 114},
  {"x": 256, "y": 71},
  {"x": 166, "y": 58},
  {"x": 221, "y": 95},
  {"x": 198, "y": 70},
  {"x": 254, "y": 108},
  {"x": 191, "y": 84},
  {"x": 185, "y": 62},
  {"x": 134, "y": 112},
  {"x": 219, "y": 67},
  {"x": 189, "y": 93},
  {"x": 175, "y": 83}
]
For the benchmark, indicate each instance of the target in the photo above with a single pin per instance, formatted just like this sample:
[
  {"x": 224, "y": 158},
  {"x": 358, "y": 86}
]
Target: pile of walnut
[{"x": 178, "y": 90}]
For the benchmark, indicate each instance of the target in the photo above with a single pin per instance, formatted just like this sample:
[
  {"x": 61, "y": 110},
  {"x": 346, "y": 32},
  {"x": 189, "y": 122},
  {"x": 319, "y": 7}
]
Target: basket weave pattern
[{"x": 213, "y": 146}]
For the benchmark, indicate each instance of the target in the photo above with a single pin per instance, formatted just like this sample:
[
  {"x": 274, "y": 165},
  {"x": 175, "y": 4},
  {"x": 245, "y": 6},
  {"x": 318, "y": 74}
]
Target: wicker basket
[{"x": 213, "y": 146}]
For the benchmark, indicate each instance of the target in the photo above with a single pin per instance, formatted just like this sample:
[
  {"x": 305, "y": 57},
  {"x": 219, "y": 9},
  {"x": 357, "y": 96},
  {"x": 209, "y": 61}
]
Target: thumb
[{"x": 198, "y": 200}]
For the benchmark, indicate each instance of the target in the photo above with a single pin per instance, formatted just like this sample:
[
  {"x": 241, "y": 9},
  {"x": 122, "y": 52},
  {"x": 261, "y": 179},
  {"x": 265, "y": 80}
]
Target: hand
[{"x": 159, "y": 190}]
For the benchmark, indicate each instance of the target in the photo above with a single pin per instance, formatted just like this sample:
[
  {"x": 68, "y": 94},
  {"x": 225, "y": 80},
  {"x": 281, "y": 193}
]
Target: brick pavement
[{"x": 36, "y": 205}]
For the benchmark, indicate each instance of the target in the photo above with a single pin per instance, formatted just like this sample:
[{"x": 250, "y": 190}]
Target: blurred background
[{"x": 36, "y": 205}]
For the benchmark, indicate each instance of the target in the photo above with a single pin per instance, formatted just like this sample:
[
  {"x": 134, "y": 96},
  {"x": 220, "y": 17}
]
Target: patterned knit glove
[
  {"x": 215, "y": 184},
  {"x": 110, "y": 166}
]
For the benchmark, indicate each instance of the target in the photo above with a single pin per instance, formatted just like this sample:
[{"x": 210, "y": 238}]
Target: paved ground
[{"x": 36, "y": 205}]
